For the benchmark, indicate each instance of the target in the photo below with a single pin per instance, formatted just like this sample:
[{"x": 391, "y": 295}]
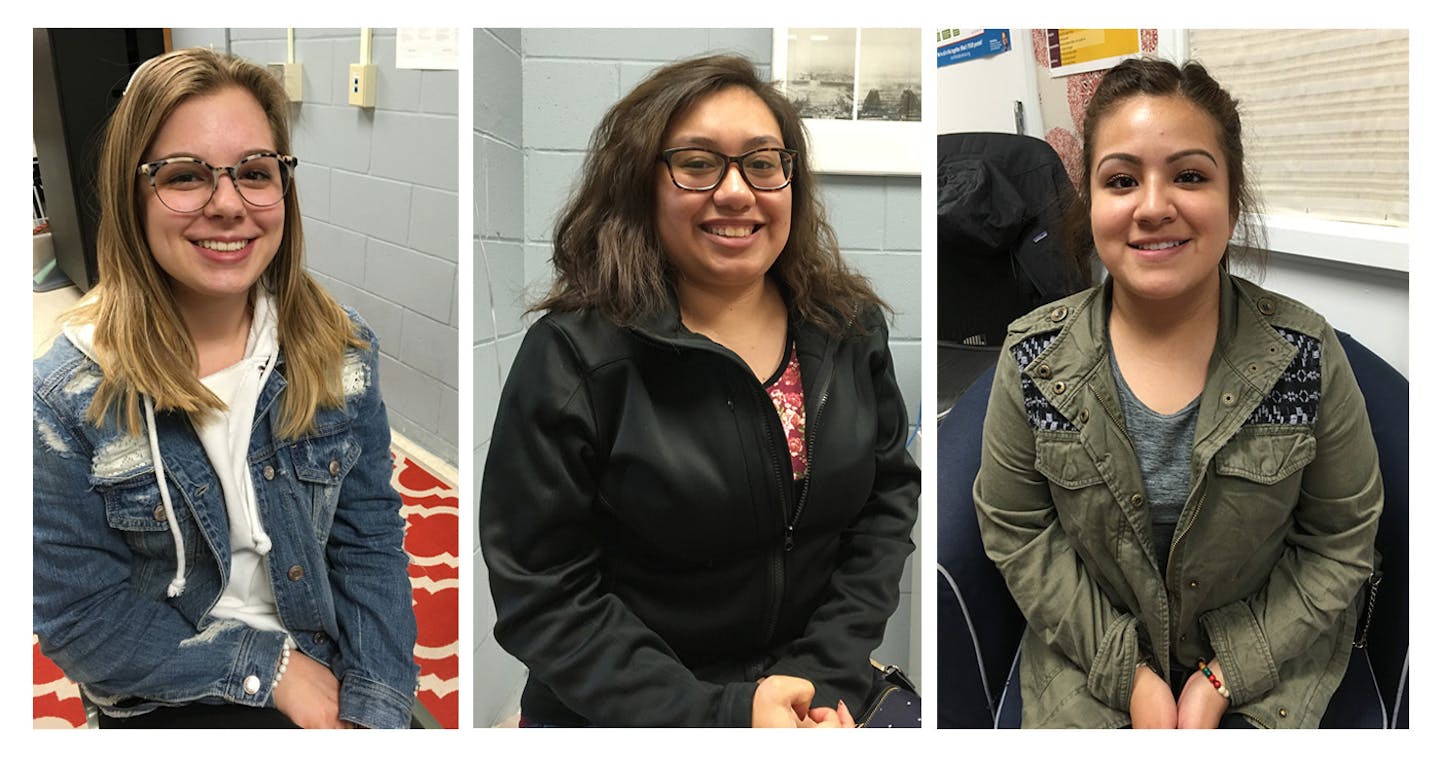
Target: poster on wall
[
  {"x": 859, "y": 92},
  {"x": 959, "y": 45},
  {"x": 1076, "y": 51}
]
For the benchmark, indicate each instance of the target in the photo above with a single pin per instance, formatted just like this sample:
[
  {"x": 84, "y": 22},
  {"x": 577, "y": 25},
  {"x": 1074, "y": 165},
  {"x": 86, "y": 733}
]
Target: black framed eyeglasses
[
  {"x": 185, "y": 184},
  {"x": 766, "y": 169}
]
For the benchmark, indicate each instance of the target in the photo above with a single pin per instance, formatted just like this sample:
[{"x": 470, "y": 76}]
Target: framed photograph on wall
[{"x": 859, "y": 91}]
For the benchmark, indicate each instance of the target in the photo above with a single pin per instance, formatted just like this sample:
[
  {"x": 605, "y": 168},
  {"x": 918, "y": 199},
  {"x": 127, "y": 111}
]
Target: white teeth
[
  {"x": 1159, "y": 245},
  {"x": 730, "y": 231},
  {"x": 211, "y": 244}
]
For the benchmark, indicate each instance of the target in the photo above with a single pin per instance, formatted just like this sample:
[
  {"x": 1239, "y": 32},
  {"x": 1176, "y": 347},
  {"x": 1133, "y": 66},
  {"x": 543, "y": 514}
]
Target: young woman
[
  {"x": 1178, "y": 480},
  {"x": 697, "y": 502},
  {"x": 216, "y": 542}
]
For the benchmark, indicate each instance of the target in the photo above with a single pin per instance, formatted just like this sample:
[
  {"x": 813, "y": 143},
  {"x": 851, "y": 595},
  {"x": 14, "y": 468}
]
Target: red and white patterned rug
[{"x": 432, "y": 537}]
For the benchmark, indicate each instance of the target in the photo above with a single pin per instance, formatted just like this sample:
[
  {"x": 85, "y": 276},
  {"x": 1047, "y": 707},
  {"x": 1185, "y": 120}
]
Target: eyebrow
[
  {"x": 1126, "y": 157},
  {"x": 182, "y": 154},
  {"x": 763, "y": 140}
]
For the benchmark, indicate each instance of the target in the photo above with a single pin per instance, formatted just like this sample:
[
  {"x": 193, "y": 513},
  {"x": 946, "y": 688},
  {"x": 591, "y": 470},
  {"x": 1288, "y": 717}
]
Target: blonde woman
[{"x": 216, "y": 542}]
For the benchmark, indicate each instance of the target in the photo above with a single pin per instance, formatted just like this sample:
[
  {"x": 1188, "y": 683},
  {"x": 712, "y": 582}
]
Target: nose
[
  {"x": 1155, "y": 206},
  {"x": 733, "y": 191},
  {"x": 226, "y": 201}
]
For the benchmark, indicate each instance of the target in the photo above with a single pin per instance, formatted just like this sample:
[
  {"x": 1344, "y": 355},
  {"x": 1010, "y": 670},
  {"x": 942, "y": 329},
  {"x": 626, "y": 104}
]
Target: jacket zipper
[
  {"x": 777, "y": 562},
  {"x": 812, "y": 431}
]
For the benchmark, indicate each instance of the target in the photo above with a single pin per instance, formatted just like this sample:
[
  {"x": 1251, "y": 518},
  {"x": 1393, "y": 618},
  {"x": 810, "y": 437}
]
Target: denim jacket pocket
[
  {"x": 134, "y": 508},
  {"x": 321, "y": 464}
]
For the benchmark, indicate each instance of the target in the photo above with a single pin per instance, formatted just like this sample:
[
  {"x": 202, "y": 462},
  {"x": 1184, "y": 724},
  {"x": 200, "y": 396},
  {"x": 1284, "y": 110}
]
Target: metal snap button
[
  {"x": 1043, "y": 371},
  {"x": 268, "y": 473},
  {"x": 1184, "y": 636},
  {"x": 1194, "y": 584},
  {"x": 295, "y": 573},
  {"x": 1059, "y": 387},
  {"x": 334, "y": 467},
  {"x": 1267, "y": 306},
  {"x": 252, "y": 684},
  {"x": 1059, "y": 314},
  {"x": 1284, "y": 713},
  {"x": 1085, "y": 415},
  {"x": 1227, "y": 399},
  {"x": 319, "y": 637},
  {"x": 1137, "y": 499},
  {"x": 160, "y": 512}
]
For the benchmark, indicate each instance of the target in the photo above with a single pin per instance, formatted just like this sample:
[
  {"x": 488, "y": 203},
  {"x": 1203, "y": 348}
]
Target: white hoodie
[{"x": 225, "y": 437}]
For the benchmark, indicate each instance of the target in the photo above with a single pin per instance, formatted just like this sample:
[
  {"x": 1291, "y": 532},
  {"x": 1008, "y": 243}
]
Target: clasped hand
[
  {"x": 784, "y": 702},
  {"x": 1153, "y": 706}
]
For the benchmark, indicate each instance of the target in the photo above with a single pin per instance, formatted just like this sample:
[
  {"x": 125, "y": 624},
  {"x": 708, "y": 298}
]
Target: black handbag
[{"x": 893, "y": 701}]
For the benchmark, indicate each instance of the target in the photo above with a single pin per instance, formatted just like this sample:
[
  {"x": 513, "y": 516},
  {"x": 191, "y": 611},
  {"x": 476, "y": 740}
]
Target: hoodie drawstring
[{"x": 177, "y": 585}]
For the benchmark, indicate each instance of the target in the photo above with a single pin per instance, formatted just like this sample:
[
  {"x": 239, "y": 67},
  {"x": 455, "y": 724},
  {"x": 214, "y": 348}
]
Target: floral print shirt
[{"x": 788, "y": 395}]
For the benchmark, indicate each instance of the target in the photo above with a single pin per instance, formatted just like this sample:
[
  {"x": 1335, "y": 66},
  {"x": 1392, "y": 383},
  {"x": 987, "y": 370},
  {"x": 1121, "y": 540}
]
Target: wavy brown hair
[
  {"x": 142, "y": 343},
  {"x": 1161, "y": 78},
  {"x": 607, "y": 252}
]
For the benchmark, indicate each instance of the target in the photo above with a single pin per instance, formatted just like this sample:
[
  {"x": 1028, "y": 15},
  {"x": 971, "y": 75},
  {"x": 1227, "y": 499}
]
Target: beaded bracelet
[
  {"x": 1220, "y": 687},
  {"x": 284, "y": 662}
]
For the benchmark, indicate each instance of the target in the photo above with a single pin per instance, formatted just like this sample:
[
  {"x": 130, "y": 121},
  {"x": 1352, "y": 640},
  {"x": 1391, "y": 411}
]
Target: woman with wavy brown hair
[
  {"x": 697, "y": 502},
  {"x": 216, "y": 542}
]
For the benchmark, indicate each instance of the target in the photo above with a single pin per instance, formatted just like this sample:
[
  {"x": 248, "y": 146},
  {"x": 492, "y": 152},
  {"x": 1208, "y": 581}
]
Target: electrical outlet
[
  {"x": 362, "y": 84},
  {"x": 289, "y": 76}
]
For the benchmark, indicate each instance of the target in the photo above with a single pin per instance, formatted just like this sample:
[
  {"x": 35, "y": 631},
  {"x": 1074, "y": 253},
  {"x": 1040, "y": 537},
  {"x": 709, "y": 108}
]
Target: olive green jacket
[{"x": 1273, "y": 544}]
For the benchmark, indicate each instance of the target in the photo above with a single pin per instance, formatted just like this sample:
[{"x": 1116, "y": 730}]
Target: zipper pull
[{"x": 789, "y": 538}]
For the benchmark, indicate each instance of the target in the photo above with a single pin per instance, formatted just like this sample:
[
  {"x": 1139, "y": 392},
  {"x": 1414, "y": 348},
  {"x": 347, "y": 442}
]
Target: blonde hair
[{"x": 142, "y": 343}]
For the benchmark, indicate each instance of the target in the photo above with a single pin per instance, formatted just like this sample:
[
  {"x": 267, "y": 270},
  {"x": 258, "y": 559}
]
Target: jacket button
[
  {"x": 1137, "y": 499},
  {"x": 268, "y": 473},
  {"x": 1227, "y": 399},
  {"x": 1084, "y": 415},
  {"x": 1194, "y": 584},
  {"x": 160, "y": 513},
  {"x": 1043, "y": 371},
  {"x": 1284, "y": 713},
  {"x": 1254, "y": 367},
  {"x": 319, "y": 637},
  {"x": 1058, "y": 314},
  {"x": 252, "y": 685},
  {"x": 1273, "y": 349},
  {"x": 296, "y": 573},
  {"x": 334, "y": 467},
  {"x": 1267, "y": 306},
  {"x": 1059, "y": 387},
  {"x": 1184, "y": 636}
]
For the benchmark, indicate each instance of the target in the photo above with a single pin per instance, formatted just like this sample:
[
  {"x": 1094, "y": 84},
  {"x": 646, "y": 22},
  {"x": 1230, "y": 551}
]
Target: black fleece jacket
[{"x": 649, "y": 556}]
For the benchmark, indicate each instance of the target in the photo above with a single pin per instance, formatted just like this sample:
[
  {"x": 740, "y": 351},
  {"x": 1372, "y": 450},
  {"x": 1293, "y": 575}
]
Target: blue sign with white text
[{"x": 983, "y": 44}]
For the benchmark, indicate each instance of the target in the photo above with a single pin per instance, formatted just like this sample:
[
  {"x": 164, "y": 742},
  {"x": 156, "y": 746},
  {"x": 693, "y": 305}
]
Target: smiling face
[
  {"x": 728, "y": 237},
  {"x": 221, "y": 250},
  {"x": 1160, "y": 204}
]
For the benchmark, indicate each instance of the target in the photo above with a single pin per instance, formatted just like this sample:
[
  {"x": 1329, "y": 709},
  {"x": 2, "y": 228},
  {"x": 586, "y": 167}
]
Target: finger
[
  {"x": 846, "y": 719},
  {"x": 824, "y": 714}
]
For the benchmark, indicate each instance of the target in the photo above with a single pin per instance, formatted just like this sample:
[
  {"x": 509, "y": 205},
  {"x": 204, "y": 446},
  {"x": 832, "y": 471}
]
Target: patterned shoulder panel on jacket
[
  {"x": 1043, "y": 415},
  {"x": 1295, "y": 399}
]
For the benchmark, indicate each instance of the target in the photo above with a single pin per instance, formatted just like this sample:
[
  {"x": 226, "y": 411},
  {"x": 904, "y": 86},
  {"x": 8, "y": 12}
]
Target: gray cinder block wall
[
  {"x": 378, "y": 192},
  {"x": 499, "y": 276},
  {"x": 560, "y": 82}
]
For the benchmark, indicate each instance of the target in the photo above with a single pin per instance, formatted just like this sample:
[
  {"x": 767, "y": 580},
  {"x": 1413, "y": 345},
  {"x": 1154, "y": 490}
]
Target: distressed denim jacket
[
  {"x": 1273, "y": 544},
  {"x": 104, "y": 554}
]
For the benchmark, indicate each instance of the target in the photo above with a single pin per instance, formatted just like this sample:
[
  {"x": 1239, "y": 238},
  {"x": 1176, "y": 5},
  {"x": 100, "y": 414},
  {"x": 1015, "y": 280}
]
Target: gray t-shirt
[{"x": 1162, "y": 445}]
